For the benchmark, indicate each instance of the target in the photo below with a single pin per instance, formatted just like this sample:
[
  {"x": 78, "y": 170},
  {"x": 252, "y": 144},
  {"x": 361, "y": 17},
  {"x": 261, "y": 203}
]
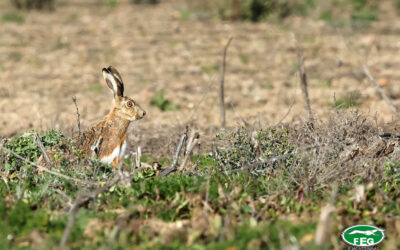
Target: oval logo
[{"x": 363, "y": 235}]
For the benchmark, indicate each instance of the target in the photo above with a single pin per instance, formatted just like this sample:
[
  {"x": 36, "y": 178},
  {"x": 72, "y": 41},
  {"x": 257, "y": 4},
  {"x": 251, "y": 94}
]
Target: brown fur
[{"x": 112, "y": 129}]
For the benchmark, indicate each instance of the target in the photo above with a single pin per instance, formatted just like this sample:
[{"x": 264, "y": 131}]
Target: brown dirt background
[{"x": 53, "y": 56}]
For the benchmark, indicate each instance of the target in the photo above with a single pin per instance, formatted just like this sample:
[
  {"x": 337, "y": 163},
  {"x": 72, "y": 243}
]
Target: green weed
[
  {"x": 209, "y": 68},
  {"x": 159, "y": 100},
  {"x": 348, "y": 100},
  {"x": 13, "y": 17},
  {"x": 111, "y": 3}
]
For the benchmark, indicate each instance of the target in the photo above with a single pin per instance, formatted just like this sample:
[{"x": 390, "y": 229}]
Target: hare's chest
[{"x": 117, "y": 152}]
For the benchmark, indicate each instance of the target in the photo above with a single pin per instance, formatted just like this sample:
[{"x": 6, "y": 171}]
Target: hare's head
[{"x": 124, "y": 107}]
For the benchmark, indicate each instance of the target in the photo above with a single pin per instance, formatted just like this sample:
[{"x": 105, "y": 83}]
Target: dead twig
[
  {"x": 66, "y": 197},
  {"x": 288, "y": 111},
  {"x": 191, "y": 143},
  {"x": 372, "y": 80},
  {"x": 82, "y": 198},
  {"x": 221, "y": 84},
  {"x": 78, "y": 115},
  {"x": 262, "y": 161},
  {"x": 138, "y": 158},
  {"x": 176, "y": 157},
  {"x": 122, "y": 221},
  {"x": 2, "y": 142},
  {"x": 43, "y": 150},
  {"x": 67, "y": 231},
  {"x": 246, "y": 124},
  {"x": 303, "y": 80},
  {"x": 47, "y": 170},
  {"x": 324, "y": 227}
]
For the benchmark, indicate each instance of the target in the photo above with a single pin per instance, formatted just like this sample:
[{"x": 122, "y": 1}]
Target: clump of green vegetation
[
  {"x": 244, "y": 58},
  {"x": 358, "y": 13},
  {"x": 145, "y": 1},
  {"x": 15, "y": 56},
  {"x": 26, "y": 146},
  {"x": 348, "y": 100},
  {"x": 185, "y": 15},
  {"x": 14, "y": 17},
  {"x": 209, "y": 68},
  {"x": 111, "y": 3},
  {"x": 254, "y": 10},
  {"x": 364, "y": 12},
  {"x": 259, "y": 147},
  {"x": 33, "y": 4},
  {"x": 324, "y": 84},
  {"x": 396, "y": 4},
  {"x": 159, "y": 100},
  {"x": 60, "y": 44},
  {"x": 210, "y": 208}
]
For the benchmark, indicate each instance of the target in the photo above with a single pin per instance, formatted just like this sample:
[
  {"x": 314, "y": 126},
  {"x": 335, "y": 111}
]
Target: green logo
[{"x": 363, "y": 235}]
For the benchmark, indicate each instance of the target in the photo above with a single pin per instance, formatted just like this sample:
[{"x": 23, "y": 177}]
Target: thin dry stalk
[
  {"x": 47, "y": 170},
  {"x": 66, "y": 198},
  {"x": 324, "y": 227},
  {"x": 122, "y": 221},
  {"x": 78, "y": 115},
  {"x": 288, "y": 111},
  {"x": 245, "y": 124},
  {"x": 221, "y": 84},
  {"x": 176, "y": 157},
  {"x": 42, "y": 149},
  {"x": 2, "y": 142},
  {"x": 70, "y": 223},
  {"x": 190, "y": 146},
  {"x": 303, "y": 80},
  {"x": 82, "y": 198},
  {"x": 138, "y": 157},
  {"x": 372, "y": 80}
]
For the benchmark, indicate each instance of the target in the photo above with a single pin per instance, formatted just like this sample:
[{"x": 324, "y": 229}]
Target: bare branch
[
  {"x": 192, "y": 142},
  {"x": 67, "y": 231},
  {"x": 372, "y": 80},
  {"x": 288, "y": 111},
  {"x": 176, "y": 157},
  {"x": 221, "y": 84},
  {"x": 262, "y": 161},
  {"x": 138, "y": 157},
  {"x": 303, "y": 79},
  {"x": 78, "y": 119},
  {"x": 2, "y": 142},
  {"x": 83, "y": 197},
  {"x": 42, "y": 149},
  {"x": 122, "y": 221},
  {"x": 47, "y": 170},
  {"x": 324, "y": 227},
  {"x": 66, "y": 197}
]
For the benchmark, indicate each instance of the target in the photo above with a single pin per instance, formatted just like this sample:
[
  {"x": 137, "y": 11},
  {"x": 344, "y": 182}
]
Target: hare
[{"x": 107, "y": 139}]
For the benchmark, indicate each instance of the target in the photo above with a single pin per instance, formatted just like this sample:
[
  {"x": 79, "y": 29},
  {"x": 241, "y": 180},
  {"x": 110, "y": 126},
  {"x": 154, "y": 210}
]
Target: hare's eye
[{"x": 130, "y": 104}]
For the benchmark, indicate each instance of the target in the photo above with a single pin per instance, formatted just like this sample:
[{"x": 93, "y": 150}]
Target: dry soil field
[{"x": 52, "y": 56}]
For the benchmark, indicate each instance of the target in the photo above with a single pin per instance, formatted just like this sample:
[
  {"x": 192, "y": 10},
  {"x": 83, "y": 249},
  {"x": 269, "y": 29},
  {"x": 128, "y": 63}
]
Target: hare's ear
[
  {"x": 114, "y": 81},
  {"x": 115, "y": 73}
]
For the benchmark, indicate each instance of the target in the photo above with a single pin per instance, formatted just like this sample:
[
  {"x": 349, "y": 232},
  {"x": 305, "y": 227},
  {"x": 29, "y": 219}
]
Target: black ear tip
[
  {"x": 110, "y": 68},
  {"x": 106, "y": 70}
]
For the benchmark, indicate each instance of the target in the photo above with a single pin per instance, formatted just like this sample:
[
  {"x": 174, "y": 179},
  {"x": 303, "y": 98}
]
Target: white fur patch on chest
[
  {"x": 109, "y": 159},
  {"x": 117, "y": 152},
  {"x": 123, "y": 149}
]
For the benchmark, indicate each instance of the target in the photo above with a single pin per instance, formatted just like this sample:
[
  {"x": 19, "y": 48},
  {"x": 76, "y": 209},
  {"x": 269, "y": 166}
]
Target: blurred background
[{"x": 169, "y": 54}]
